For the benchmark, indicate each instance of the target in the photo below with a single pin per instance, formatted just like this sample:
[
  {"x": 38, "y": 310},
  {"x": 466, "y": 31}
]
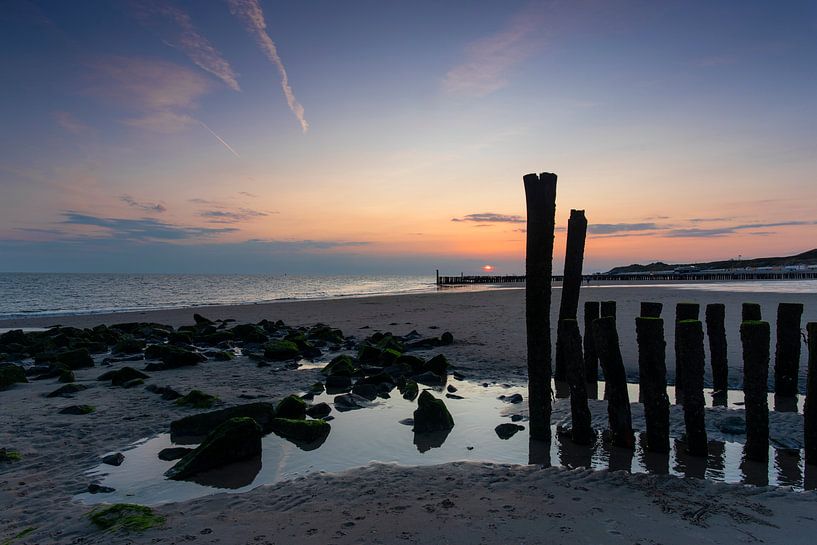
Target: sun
[{"x": 487, "y": 268}]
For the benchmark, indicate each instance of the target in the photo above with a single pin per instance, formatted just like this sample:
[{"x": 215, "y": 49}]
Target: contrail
[
  {"x": 220, "y": 139},
  {"x": 251, "y": 14}
]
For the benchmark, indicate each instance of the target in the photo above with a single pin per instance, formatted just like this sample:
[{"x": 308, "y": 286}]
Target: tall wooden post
[
  {"x": 683, "y": 311},
  {"x": 581, "y": 430},
  {"x": 787, "y": 352},
  {"x": 651, "y": 310},
  {"x": 716, "y": 331},
  {"x": 691, "y": 352},
  {"x": 572, "y": 283},
  {"x": 750, "y": 312},
  {"x": 540, "y": 195},
  {"x": 810, "y": 412},
  {"x": 608, "y": 309},
  {"x": 618, "y": 400},
  {"x": 591, "y": 358},
  {"x": 755, "y": 339},
  {"x": 652, "y": 372}
]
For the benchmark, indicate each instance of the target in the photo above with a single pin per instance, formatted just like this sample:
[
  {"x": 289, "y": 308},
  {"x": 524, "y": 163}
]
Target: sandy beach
[{"x": 460, "y": 502}]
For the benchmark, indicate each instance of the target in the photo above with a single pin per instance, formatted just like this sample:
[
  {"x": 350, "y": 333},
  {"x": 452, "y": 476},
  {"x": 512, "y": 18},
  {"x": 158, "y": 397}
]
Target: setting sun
[{"x": 487, "y": 268}]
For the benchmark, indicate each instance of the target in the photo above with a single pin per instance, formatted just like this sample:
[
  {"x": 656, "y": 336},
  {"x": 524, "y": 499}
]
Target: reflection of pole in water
[
  {"x": 787, "y": 462},
  {"x": 572, "y": 455},
  {"x": 688, "y": 464},
  {"x": 656, "y": 463},
  {"x": 539, "y": 452},
  {"x": 621, "y": 459},
  {"x": 716, "y": 461},
  {"x": 754, "y": 470},
  {"x": 810, "y": 477}
]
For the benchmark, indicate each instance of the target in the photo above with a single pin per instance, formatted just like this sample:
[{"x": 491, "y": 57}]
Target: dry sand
[{"x": 452, "y": 503}]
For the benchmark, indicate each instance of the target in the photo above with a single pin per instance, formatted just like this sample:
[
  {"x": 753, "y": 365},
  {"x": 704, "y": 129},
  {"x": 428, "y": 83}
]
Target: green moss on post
[
  {"x": 608, "y": 309},
  {"x": 592, "y": 312},
  {"x": 618, "y": 400},
  {"x": 651, "y": 310},
  {"x": 574, "y": 259},
  {"x": 716, "y": 332},
  {"x": 652, "y": 375},
  {"x": 750, "y": 312},
  {"x": 810, "y": 412},
  {"x": 755, "y": 337},
  {"x": 683, "y": 311},
  {"x": 690, "y": 342},
  {"x": 787, "y": 352},
  {"x": 540, "y": 195},
  {"x": 581, "y": 429}
]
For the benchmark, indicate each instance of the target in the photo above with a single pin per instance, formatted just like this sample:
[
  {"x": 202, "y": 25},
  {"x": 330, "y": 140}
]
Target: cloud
[
  {"x": 490, "y": 217},
  {"x": 614, "y": 228},
  {"x": 730, "y": 230},
  {"x": 232, "y": 216},
  {"x": 166, "y": 122},
  {"x": 144, "y": 229},
  {"x": 183, "y": 35},
  {"x": 146, "y": 206},
  {"x": 250, "y": 13},
  {"x": 247, "y": 194},
  {"x": 304, "y": 245},
  {"x": 489, "y": 59},
  {"x": 70, "y": 123}
]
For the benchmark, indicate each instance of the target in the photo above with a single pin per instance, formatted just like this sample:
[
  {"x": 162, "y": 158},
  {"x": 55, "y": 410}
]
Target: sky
[{"x": 366, "y": 137}]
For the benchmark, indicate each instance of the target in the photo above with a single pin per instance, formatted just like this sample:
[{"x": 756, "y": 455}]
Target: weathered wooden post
[
  {"x": 755, "y": 338},
  {"x": 540, "y": 194},
  {"x": 608, "y": 309},
  {"x": 651, "y": 310},
  {"x": 810, "y": 411},
  {"x": 690, "y": 342},
  {"x": 581, "y": 430},
  {"x": 652, "y": 373},
  {"x": 787, "y": 351},
  {"x": 618, "y": 400},
  {"x": 716, "y": 331},
  {"x": 591, "y": 358},
  {"x": 750, "y": 312},
  {"x": 572, "y": 283},
  {"x": 683, "y": 311}
]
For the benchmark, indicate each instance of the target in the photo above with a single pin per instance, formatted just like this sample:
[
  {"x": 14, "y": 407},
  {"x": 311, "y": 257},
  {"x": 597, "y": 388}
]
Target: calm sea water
[{"x": 35, "y": 294}]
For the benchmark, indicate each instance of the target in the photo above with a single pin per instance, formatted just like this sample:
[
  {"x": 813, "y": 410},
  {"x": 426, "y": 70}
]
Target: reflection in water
[
  {"x": 787, "y": 462},
  {"x": 687, "y": 464},
  {"x": 810, "y": 477},
  {"x": 572, "y": 455},
  {"x": 539, "y": 452},
  {"x": 429, "y": 440},
  {"x": 621, "y": 459},
  {"x": 233, "y": 476},
  {"x": 716, "y": 461},
  {"x": 654, "y": 462}
]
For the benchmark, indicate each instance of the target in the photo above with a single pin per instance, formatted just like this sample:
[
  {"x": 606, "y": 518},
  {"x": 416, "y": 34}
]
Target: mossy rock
[
  {"x": 11, "y": 374},
  {"x": 66, "y": 376},
  {"x": 446, "y": 338},
  {"x": 7, "y": 456},
  {"x": 235, "y": 440},
  {"x": 437, "y": 365},
  {"x": 431, "y": 414},
  {"x": 172, "y": 357},
  {"x": 410, "y": 390},
  {"x": 416, "y": 363},
  {"x": 342, "y": 365},
  {"x": 67, "y": 390},
  {"x": 389, "y": 356},
  {"x": 121, "y": 376},
  {"x": 129, "y": 345},
  {"x": 197, "y": 400},
  {"x": 125, "y": 516},
  {"x": 291, "y": 407},
  {"x": 306, "y": 434},
  {"x": 181, "y": 337},
  {"x": 326, "y": 334},
  {"x": 281, "y": 350},
  {"x": 369, "y": 354},
  {"x": 222, "y": 355},
  {"x": 198, "y": 425},
  {"x": 78, "y": 409},
  {"x": 75, "y": 359},
  {"x": 250, "y": 333}
]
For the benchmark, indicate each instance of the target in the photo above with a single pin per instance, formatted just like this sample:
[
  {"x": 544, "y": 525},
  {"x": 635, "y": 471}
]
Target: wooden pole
[
  {"x": 652, "y": 374},
  {"x": 755, "y": 337},
  {"x": 651, "y": 310},
  {"x": 540, "y": 194},
  {"x": 581, "y": 430},
  {"x": 690, "y": 340},
  {"x": 608, "y": 309},
  {"x": 572, "y": 282},
  {"x": 810, "y": 412},
  {"x": 683, "y": 311},
  {"x": 716, "y": 331},
  {"x": 618, "y": 400},
  {"x": 750, "y": 312},
  {"x": 787, "y": 351},
  {"x": 591, "y": 358}
]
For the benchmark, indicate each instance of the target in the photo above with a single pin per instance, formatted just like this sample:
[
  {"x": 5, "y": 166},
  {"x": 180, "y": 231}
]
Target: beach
[{"x": 457, "y": 502}]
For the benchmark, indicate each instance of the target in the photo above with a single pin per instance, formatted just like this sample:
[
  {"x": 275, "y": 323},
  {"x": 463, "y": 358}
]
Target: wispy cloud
[
  {"x": 143, "y": 229},
  {"x": 491, "y": 217},
  {"x": 182, "y": 34},
  {"x": 613, "y": 228},
  {"x": 306, "y": 245},
  {"x": 232, "y": 216},
  {"x": 488, "y": 60},
  {"x": 250, "y": 13},
  {"x": 733, "y": 229},
  {"x": 69, "y": 122},
  {"x": 146, "y": 206},
  {"x": 220, "y": 139}
]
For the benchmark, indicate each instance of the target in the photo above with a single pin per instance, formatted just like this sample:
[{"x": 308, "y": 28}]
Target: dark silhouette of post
[
  {"x": 690, "y": 342},
  {"x": 608, "y": 309},
  {"x": 591, "y": 358},
  {"x": 787, "y": 351},
  {"x": 683, "y": 311},
  {"x": 615, "y": 391},
  {"x": 750, "y": 312},
  {"x": 755, "y": 337},
  {"x": 540, "y": 194},
  {"x": 572, "y": 283},
  {"x": 810, "y": 411},
  {"x": 581, "y": 430},
  {"x": 716, "y": 332},
  {"x": 651, "y": 310},
  {"x": 652, "y": 374}
]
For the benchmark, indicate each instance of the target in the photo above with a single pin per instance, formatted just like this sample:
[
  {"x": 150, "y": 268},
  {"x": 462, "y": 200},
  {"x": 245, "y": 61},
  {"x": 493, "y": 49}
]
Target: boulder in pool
[
  {"x": 431, "y": 414},
  {"x": 235, "y": 440},
  {"x": 305, "y": 434},
  {"x": 506, "y": 431},
  {"x": 199, "y": 425},
  {"x": 292, "y": 407}
]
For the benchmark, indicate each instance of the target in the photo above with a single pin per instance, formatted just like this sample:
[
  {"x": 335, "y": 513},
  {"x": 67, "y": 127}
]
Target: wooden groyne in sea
[{"x": 664, "y": 277}]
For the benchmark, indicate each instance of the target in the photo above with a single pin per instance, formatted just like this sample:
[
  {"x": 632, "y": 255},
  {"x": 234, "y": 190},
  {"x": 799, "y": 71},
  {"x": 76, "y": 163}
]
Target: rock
[
  {"x": 121, "y": 376},
  {"x": 431, "y": 414},
  {"x": 429, "y": 379},
  {"x": 350, "y": 402},
  {"x": 446, "y": 338},
  {"x": 125, "y": 516},
  {"x": 77, "y": 409},
  {"x": 324, "y": 333},
  {"x": 316, "y": 389},
  {"x": 172, "y": 357},
  {"x": 454, "y": 396},
  {"x": 198, "y": 425},
  {"x": 338, "y": 383},
  {"x": 281, "y": 350},
  {"x": 369, "y": 391},
  {"x": 181, "y": 338},
  {"x": 733, "y": 425},
  {"x": 291, "y": 407},
  {"x": 506, "y": 431},
  {"x": 11, "y": 374},
  {"x": 235, "y": 440},
  {"x": 250, "y": 333},
  {"x": 75, "y": 359},
  {"x": 516, "y": 417},
  {"x": 129, "y": 345},
  {"x": 306, "y": 434},
  {"x": 201, "y": 320},
  {"x": 319, "y": 410},
  {"x": 133, "y": 383},
  {"x": 437, "y": 365},
  {"x": 197, "y": 399},
  {"x": 66, "y": 376},
  {"x": 167, "y": 393},
  {"x": 515, "y": 398},
  {"x": 221, "y": 355},
  {"x": 7, "y": 455},
  {"x": 417, "y": 364},
  {"x": 114, "y": 459},
  {"x": 342, "y": 365},
  {"x": 67, "y": 390},
  {"x": 95, "y": 488},
  {"x": 410, "y": 390},
  {"x": 174, "y": 453},
  {"x": 451, "y": 388}
]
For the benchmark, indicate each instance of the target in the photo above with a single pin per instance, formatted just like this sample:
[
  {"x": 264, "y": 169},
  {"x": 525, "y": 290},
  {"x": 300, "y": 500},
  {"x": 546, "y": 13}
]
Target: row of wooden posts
[{"x": 576, "y": 358}]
